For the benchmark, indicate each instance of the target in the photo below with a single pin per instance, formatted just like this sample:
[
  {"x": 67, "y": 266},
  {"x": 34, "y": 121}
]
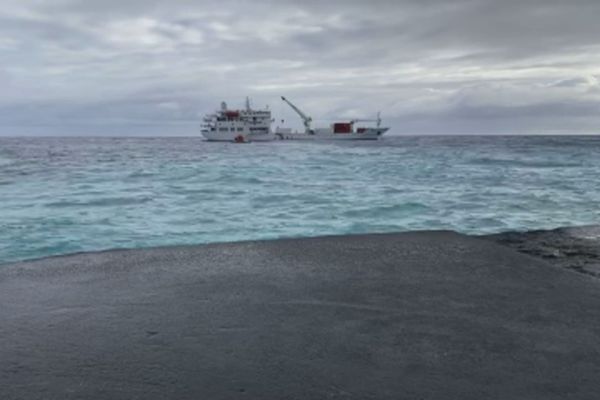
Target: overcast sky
[{"x": 135, "y": 67}]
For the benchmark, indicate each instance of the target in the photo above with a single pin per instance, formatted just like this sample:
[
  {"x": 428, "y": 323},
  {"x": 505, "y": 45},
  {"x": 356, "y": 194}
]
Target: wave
[
  {"x": 521, "y": 163},
  {"x": 101, "y": 202},
  {"x": 395, "y": 210}
]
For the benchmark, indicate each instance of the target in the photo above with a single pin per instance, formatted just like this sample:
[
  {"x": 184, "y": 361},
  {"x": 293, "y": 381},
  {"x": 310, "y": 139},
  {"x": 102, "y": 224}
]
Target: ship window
[
  {"x": 222, "y": 129},
  {"x": 240, "y": 129},
  {"x": 232, "y": 129}
]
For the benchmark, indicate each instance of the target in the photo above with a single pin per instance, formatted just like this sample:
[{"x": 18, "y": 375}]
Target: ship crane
[
  {"x": 305, "y": 118},
  {"x": 377, "y": 120}
]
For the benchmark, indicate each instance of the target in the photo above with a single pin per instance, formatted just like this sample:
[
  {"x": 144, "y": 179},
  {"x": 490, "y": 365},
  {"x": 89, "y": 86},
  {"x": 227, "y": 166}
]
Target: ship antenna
[{"x": 247, "y": 103}]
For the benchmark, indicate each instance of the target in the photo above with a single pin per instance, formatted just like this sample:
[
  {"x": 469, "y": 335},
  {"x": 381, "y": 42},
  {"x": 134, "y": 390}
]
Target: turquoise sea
[{"x": 64, "y": 195}]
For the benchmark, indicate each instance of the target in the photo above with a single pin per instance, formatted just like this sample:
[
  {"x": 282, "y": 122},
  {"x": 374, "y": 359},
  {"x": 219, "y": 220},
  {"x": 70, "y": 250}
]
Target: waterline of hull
[
  {"x": 347, "y": 136},
  {"x": 231, "y": 137}
]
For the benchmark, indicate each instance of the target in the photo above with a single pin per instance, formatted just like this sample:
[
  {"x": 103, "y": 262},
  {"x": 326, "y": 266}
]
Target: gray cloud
[{"x": 467, "y": 66}]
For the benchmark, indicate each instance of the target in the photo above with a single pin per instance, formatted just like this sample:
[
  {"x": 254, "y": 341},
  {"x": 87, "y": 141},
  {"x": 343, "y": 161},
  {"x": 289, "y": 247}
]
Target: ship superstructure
[{"x": 233, "y": 125}]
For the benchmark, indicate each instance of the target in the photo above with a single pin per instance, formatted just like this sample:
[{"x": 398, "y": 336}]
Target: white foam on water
[{"x": 62, "y": 195}]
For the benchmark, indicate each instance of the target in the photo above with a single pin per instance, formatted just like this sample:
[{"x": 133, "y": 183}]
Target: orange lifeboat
[{"x": 239, "y": 139}]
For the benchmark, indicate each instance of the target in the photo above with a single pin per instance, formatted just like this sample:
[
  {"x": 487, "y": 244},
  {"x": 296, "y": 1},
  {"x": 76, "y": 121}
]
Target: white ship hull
[
  {"x": 234, "y": 136},
  {"x": 367, "y": 134}
]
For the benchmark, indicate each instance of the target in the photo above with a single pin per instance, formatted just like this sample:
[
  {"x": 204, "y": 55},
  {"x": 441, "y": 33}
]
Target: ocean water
[{"x": 64, "y": 195}]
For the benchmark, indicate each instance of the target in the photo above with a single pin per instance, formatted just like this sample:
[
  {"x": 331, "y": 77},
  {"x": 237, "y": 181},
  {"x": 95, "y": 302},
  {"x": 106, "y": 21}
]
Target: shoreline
[{"x": 576, "y": 248}]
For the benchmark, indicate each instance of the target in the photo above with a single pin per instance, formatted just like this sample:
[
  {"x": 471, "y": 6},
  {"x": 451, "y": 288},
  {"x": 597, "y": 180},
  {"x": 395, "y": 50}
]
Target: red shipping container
[{"x": 342, "y": 127}]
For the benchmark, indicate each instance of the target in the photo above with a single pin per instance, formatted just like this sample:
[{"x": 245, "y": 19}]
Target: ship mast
[
  {"x": 378, "y": 120},
  {"x": 305, "y": 118}
]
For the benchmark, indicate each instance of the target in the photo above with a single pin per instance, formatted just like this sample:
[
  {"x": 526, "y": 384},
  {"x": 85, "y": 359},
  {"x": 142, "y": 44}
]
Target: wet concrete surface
[
  {"x": 575, "y": 248},
  {"x": 426, "y": 315}
]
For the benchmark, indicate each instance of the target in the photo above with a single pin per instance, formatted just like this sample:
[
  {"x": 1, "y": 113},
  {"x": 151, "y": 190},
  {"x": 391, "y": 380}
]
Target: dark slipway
[{"x": 428, "y": 315}]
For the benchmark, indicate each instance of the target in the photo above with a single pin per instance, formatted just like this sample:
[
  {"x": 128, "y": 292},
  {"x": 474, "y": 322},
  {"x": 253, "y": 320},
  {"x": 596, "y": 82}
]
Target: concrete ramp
[{"x": 430, "y": 315}]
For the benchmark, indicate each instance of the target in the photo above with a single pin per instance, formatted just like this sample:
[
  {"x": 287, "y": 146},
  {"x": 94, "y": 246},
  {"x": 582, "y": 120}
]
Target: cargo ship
[
  {"x": 348, "y": 130},
  {"x": 249, "y": 125},
  {"x": 240, "y": 126}
]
